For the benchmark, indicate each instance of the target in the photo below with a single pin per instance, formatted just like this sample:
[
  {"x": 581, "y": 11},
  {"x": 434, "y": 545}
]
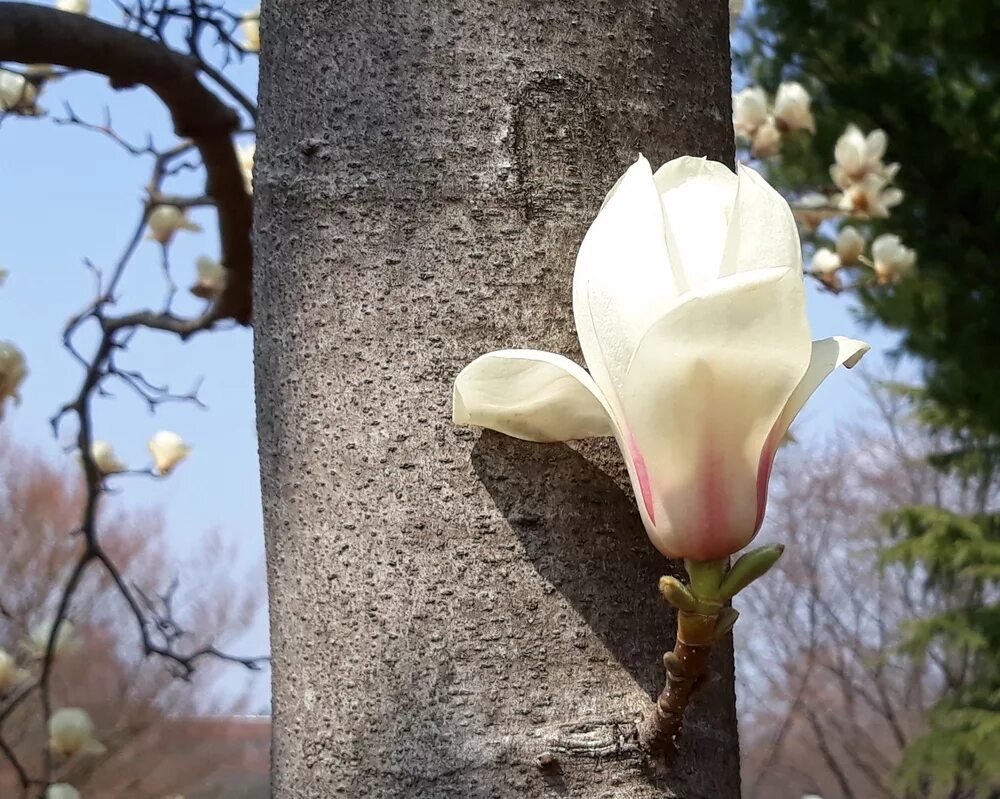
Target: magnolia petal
[
  {"x": 533, "y": 395},
  {"x": 762, "y": 233},
  {"x": 623, "y": 278},
  {"x": 827, "y": 355},
  {"x": 703, "y": 392},
  {"x": 697, "y": 197}
]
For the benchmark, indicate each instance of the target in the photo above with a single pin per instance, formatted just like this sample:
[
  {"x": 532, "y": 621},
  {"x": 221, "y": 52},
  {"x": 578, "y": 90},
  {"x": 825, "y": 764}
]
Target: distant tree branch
[{"x": 37, "y": 34}]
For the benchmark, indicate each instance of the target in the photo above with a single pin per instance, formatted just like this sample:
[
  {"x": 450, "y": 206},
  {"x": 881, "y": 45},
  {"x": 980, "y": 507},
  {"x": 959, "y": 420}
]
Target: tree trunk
[{"x": 456, "y": 613}]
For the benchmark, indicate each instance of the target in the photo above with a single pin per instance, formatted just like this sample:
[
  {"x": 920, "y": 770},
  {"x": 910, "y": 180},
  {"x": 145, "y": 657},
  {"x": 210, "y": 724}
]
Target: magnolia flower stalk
[
  {"x": 166, "y": 220},
  {"x": 62, "y": 790},
  {"x": 13, "y": 370},
  {"x": 690, "y": 309},
  {"x": 71, "y": 732},
  {"x": 168, "y": 449},
  {"x": 16, "y": 93},
  {"x": 211, "y": 279},
  {"x": 793, "y": 108},
  {"x": 892, "y": 261},
  {"x": 10, "y": 674},
  {"x": 250, "y": 25},
  {"x": 74, "y": 6},
  {"x": 38, "y": 639}
]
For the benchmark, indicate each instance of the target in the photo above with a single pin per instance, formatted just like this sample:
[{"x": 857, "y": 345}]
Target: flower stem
[{"x": 685, "y": 666}]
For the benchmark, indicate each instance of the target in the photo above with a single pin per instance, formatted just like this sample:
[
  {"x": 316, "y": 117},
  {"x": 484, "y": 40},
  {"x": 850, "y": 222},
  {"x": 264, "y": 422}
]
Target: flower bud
[
  {"x": 792, "y": 107},
  {"x": 250, "y": 25},
  {"x": 74, "y": 6},
  {"x": 104, "y": 458},
  {"x": 38, "y": 639},
  {"x": 166, "y": 220},
  {"x": 850, "y": 245},
  {"x": 12, "y": 373},
  {"x": 61, "y": 790},
  {"x": 211, "y": 279},
  {"x": 71, "y": 732},
  {"x": 10, "y": 674},
  {"x": 892, "y": 260},
  {"x": 168, "y": 449}
]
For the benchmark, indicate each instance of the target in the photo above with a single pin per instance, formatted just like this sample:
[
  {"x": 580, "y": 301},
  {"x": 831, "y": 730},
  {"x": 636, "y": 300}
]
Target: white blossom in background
[
  {"x": 871, "y": 197},
  {"x": 250, "y": 25},
  {"x": 13, "y": 370},
  {"x": 735, "y": 9},
  {"x": 71, "y": 732},
  {"x": 16, "y": 93},
  {"x": 850, "y": 244},
  {"x": 74, "y": 6},
  {"x": 690, "y": 312},
  {"x": 61, "y": 790},
  {"x": 244, "y": 155},
  {"x": 66, "y": 642},
  {"x": 166, "y": 220},
  {"x": 168, "y": 449},
  {"x": 766, "y": 141},
  {"x": 211, "y": 278},
  {"x": 857, "y": 156},
  {"x": 891, "y": 259},
  {"x": 812, "y": 208},
  {"x": 104, "y": 458},
  {"x": 792, "y": 107},
  {"x": 825, "y": 266},
  {"x": 749, "y": 111},
  {"x": 10, "y": 674}
]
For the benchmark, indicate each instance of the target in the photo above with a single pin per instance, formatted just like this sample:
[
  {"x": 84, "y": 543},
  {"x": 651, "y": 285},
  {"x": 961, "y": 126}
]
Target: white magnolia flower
[
  {"x": 71, "y": 731},
  {"x": 690, "y": 309},
  {"x": 166, "y": 220},
  {"x": 168, "y": 449},
  {"x": 792, "y": 107},
  {"x": 10, "y": 674},
  {"x": 812, "y": 208},
  {"x": 60, "y": 790},
  {"x": 16, "y": 93},
  {"x": 66, "y": 642},
  {"x": 766, "y": 141},
  {"x": 869, "y": 198},
  {"x": 13, "y": 370},
  {"x": 749, "y": 111},
  {"x": 850, "y": 244},
  {"x": 74, "y": 6},
  {"x": 104, "y": 458},
  {"x": 826, "y": 266},
  {"x": 250, "y": 25},
  {"x": 244, "y": 155},
  {"x": 211, "y": 278},
  {"x": 892, "y": 260},
  {"x": 859, "y": 156}
]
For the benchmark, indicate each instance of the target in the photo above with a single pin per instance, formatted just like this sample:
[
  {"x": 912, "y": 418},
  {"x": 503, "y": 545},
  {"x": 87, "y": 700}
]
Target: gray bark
[{"x": 449, "y": 606}]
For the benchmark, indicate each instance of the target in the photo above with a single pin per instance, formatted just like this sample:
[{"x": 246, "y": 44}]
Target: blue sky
[{"x": 67, "y": 193}]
